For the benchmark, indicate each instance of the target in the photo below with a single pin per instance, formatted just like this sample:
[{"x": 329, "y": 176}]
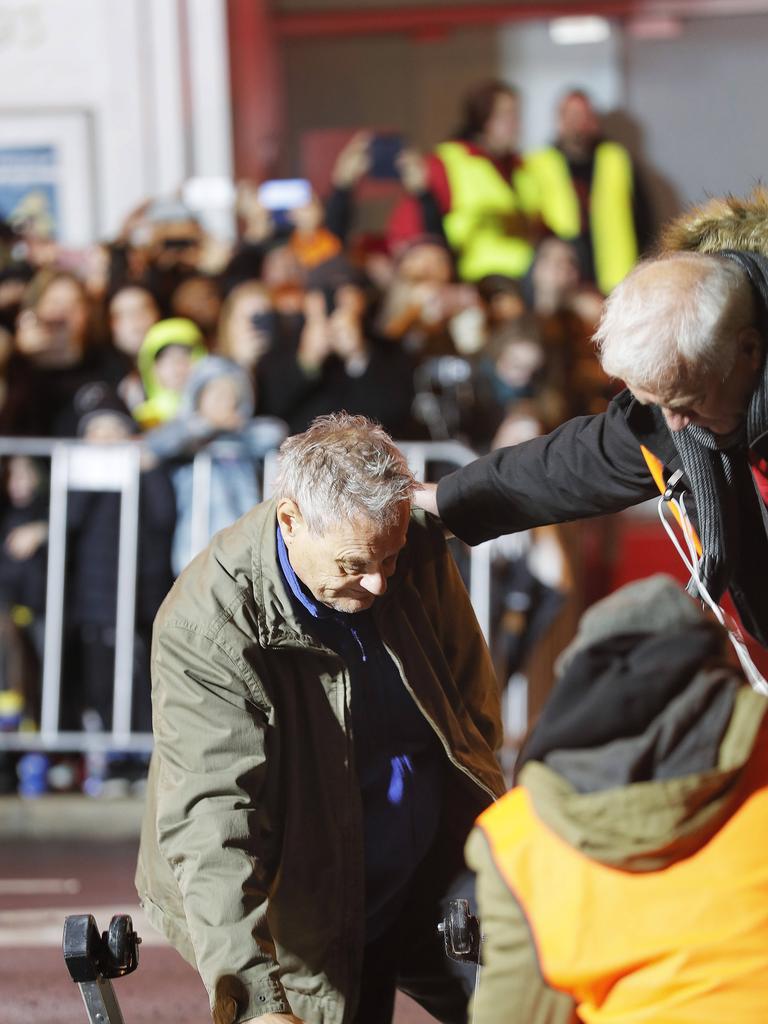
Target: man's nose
[
  {"x": 374, "y": 582},
  {"x": 676, "y": 420}
]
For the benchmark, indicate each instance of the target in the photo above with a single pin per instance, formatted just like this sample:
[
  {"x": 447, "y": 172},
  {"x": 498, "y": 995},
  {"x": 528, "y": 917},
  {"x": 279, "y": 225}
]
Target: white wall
[
  {"x": 544, "y": 70},
  {"x": 121, "y": 62},
  {"x": 691, "y": 108},
  {"x": 701, "y": 101}
]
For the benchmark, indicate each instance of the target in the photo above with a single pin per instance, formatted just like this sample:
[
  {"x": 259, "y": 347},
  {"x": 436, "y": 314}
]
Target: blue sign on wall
[{"x": 29, "y": 189}]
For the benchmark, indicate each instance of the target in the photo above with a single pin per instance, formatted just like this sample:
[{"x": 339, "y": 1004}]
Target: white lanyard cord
[{"x": 691, "y": 562}]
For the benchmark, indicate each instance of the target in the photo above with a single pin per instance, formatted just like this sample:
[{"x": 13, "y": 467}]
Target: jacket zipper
[
  {"x": 443, "y": 741},
  {"x": 348, "y": 928}
]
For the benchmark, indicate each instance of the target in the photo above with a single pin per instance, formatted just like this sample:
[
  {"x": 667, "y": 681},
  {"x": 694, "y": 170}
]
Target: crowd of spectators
[{"x": 469, "y": 319}]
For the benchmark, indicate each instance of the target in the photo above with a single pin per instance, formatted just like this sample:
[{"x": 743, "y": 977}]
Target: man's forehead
[{"x": 366, "y": 535}]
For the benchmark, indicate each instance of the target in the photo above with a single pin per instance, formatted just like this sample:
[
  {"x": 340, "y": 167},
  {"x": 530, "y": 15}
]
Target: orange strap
[{"x": 656, "y": 467}]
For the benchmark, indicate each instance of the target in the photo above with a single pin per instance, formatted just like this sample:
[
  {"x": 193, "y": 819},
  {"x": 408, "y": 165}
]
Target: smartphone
[
  {"x": 384, "y": 151},
  {"x": 283, "y": 194}
]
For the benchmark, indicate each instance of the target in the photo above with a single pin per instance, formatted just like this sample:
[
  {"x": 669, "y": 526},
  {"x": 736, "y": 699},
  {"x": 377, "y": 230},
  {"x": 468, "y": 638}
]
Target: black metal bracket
[
  {"x": 461, "y": 933},
  {"x": 673, "y": 484}
]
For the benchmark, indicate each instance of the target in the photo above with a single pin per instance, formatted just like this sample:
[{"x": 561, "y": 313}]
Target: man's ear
[
  {"x": 751, "y": 346},
  {"x": 289, "y": 518}
]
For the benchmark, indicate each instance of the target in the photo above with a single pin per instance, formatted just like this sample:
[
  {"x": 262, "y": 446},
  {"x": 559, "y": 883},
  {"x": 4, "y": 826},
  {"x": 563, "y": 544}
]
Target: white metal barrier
[
  {"x": 77, "y": 465},
  {"x": 85, "y": 467}
]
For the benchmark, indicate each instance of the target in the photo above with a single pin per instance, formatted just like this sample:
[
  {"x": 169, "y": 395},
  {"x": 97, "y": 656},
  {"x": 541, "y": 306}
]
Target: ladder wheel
[{"x": 121, "y": 941}]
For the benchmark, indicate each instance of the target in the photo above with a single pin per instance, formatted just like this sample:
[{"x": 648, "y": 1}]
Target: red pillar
[{"x": 256, "y": 88}]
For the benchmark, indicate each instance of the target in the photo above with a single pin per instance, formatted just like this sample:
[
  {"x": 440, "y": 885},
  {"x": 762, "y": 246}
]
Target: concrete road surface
[{"x": 46, "y": 874}]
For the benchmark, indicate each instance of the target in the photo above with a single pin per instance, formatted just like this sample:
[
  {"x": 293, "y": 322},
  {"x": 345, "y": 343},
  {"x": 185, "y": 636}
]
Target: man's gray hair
[
  {"x": 344, "y": 468},
  {"x": 674, "y": 320}
]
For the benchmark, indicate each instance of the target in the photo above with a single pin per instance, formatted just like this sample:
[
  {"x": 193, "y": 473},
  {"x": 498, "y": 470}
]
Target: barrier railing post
[
  {"x": 54, "y": 595},
  {"x": 480, "y": 586},
  {"x": 126, "y": 597}
]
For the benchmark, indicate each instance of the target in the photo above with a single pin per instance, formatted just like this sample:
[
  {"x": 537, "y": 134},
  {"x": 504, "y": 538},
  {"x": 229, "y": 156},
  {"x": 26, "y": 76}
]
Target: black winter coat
[{"x": 589, "y": 466}]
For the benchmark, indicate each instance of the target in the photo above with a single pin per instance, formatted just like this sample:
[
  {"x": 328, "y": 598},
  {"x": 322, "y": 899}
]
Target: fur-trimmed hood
[{"x": 721, "y": 224}]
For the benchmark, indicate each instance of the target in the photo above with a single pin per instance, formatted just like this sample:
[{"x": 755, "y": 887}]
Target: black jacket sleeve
[{"x": 589, "y": 466}]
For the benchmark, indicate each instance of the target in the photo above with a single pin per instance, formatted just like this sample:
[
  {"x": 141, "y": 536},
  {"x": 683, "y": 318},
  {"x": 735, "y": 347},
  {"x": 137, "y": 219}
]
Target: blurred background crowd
[
  {"x": 468, "y": 319},
  {"x": 462, "y": 311}
]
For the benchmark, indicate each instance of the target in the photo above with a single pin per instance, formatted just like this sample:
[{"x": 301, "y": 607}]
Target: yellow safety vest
[
  {"x": 611, "y": 220},
  {"x": 476, "y": 226},
  {"x": 684, "y": 945}
]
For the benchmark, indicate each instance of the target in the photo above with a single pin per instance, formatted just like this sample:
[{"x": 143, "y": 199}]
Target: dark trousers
[{"x": 410, "y": 957}]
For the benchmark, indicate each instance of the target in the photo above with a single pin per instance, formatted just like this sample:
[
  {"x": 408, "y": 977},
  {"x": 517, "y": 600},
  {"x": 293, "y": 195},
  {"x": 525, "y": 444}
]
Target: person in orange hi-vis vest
[{"x": 624, "y": 879}]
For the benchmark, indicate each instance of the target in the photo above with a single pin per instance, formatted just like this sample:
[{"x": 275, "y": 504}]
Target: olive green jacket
[{"x": 251, "y": 852}]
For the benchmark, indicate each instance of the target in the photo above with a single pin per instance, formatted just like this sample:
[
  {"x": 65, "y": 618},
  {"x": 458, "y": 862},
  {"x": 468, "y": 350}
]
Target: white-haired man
[
  {"x": 687, "y": 333},
  {"x": 325, "y": 717}
]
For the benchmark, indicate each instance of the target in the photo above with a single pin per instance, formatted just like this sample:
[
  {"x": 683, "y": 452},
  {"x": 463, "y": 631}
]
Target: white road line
[
  {"x": 45, "y": 926},
  {"x": 38, "y": 886}
]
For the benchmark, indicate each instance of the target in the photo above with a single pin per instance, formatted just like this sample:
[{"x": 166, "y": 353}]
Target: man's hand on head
[{"x": 425, "y": 497}]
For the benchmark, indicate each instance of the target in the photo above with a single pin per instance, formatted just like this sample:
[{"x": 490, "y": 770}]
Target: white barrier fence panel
[{"x": 83, "y": 466}]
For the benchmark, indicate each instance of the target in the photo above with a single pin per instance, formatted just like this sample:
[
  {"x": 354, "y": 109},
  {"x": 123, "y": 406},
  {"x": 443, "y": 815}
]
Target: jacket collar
[
  {"x": 649, "y": 427},
  {"x": 277, "y": 623}
]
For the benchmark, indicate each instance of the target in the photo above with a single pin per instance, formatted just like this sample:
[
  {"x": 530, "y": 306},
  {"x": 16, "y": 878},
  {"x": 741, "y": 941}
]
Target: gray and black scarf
[{"x": 731, "y": 517}]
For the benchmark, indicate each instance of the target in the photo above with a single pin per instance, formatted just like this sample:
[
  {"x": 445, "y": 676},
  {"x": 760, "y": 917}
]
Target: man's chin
[{"x": 350, "y": 605}]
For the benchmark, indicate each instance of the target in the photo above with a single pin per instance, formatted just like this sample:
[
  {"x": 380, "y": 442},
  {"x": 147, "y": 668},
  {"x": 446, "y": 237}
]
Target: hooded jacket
[
  {"x": 636, "y": 766},
  {"x": 161, "y": 403},
  {"x": 593, "y": 465},
  {"x": 251, "y": 859},
  {"x": 233, "y": 486}
]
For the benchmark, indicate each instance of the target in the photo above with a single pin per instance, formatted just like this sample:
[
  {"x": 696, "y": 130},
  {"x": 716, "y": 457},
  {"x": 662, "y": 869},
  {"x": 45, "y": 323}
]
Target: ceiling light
[{"x": 571, "y": 31}]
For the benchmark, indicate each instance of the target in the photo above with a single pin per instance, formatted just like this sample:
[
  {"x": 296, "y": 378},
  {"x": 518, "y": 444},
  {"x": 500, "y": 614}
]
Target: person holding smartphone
[
  {"x": 487, "y": 199},
  {"x": 54, "y": 354},
  {"x": 338, "y": 363}
]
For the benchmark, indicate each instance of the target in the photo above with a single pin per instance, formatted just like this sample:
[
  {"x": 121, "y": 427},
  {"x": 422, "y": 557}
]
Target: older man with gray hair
[
  {"x": 687, "y": 334},
  {"x": 325, "y": 718}
]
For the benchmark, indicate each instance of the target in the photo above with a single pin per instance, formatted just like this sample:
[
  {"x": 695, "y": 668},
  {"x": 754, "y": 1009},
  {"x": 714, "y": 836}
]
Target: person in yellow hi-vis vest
[
  {"x": 482, "y": 188},
  {"x": 589, "y": 194},
  {"x": 624, "y": 878}
]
